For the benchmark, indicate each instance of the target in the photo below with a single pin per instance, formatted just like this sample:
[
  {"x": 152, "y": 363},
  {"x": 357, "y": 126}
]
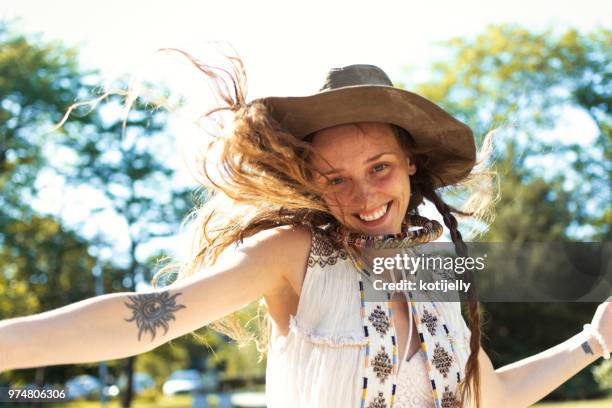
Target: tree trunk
[
  {"x": 129, "y": 391},
  {"x": 39, "y": 379},
  {"x": 126, "y": 402}
]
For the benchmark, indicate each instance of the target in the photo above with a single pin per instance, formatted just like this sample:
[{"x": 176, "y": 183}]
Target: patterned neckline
[{"x": 430, "y": 231}]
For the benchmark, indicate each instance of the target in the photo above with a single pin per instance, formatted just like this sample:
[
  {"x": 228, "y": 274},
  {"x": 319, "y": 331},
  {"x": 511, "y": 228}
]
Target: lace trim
[
  {"x": 413, "y": 387},
  {"x": 335, "y": 340}
]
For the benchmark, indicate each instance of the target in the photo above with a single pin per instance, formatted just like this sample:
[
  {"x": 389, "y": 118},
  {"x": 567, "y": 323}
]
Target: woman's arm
[
  {"x": 119, "y": 325},
  {"x": 532, "y": 378},
  {"x": 527, "y": 381}
]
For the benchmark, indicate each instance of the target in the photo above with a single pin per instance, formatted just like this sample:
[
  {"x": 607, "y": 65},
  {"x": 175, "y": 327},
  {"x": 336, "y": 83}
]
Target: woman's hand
[{"x": 602, "y": 322}]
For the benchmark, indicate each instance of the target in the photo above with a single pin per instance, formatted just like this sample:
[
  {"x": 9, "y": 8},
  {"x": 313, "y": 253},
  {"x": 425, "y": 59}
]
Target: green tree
[
  {"x": 526, "y": 82},
  {"x": 40, "y": 257},
  {"x": 508, "y": 75},
  {"x": 38, "y": 81},
  {"x": 47, "y": 264},
  {"x": 127, "y": 162}
]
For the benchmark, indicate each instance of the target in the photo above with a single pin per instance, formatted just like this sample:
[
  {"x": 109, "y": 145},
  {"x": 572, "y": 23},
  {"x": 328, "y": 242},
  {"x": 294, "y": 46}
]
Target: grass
[
  {"x": 184, "y": 401},
  {"x": 180, "y": 401},
  {"x": 600, "y": 403}
]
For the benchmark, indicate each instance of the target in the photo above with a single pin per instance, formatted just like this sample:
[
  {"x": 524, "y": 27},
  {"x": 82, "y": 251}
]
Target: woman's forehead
[{"x": 348, "y": 143}]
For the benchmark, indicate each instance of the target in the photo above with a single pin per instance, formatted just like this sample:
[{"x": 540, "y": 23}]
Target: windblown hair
[{"x": 260, "y": 176}]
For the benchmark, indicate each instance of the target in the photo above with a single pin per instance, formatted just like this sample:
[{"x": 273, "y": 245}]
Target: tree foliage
[{"x": 527, "y": 82}]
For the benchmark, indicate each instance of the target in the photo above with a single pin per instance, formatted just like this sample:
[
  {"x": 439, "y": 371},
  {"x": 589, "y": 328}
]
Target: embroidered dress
[
  {"x": 341, "y": 351},
  {"x": 413, "y": 388}
]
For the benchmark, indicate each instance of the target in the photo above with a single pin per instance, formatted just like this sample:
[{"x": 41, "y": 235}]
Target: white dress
[
  {"x": 413, "y": 388},
  {"x": 320, "y": 363}
]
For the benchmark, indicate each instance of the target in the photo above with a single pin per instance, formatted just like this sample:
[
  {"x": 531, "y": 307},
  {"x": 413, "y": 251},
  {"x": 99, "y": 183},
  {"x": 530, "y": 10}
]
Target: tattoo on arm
[
  {"x": 586, "y": 348},
  {"x": 152, "y": 310}
]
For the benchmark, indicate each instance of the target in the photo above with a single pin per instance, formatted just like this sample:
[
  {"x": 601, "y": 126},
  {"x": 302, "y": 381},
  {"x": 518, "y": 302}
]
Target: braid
[
  {"x": 471, "y": 382},
  {"x": 422, "y": 187}
]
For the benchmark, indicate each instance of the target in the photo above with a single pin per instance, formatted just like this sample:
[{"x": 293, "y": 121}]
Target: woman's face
[{"x": 368, "y": 175}]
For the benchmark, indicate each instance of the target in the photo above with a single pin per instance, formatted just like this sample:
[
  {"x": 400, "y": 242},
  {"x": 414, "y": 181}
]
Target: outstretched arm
[
  {"x": 527, "y": 381},
  {"x": 119, "y": 325},
  {"x": 531, "y": 379}
]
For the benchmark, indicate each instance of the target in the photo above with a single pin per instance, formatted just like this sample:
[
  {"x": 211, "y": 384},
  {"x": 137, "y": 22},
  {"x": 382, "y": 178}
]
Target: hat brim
[{"x": 451, "y": 140}]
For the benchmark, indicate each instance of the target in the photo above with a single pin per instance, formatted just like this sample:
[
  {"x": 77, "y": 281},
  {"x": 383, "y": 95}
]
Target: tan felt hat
[{"x": 364, "y": 93}]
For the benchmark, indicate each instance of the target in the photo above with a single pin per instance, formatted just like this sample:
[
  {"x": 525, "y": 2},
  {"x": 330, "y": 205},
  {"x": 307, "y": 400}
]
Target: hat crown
[{"x": 351, "y": 75}]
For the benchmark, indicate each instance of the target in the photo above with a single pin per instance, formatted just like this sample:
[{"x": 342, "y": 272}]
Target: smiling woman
[
  {"x": 354, "y": 170},
  {"x": 303, "y": 186}
]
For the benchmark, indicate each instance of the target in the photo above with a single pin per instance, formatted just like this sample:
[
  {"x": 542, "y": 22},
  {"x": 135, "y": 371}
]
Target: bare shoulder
[
  {"x": 287, "y": 241},
  {"x": 285, "y": 249},
  {"x": 291, "y": 235}
]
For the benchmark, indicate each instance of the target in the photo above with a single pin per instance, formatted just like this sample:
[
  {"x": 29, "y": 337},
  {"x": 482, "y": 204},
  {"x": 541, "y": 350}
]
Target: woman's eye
[
  {"x": 335, "y": 181},
  {"x": 380, "y": 167}
]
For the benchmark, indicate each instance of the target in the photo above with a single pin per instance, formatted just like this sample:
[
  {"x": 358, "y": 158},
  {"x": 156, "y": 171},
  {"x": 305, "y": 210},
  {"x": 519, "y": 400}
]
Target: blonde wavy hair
[{"x": 257, "y": 176}]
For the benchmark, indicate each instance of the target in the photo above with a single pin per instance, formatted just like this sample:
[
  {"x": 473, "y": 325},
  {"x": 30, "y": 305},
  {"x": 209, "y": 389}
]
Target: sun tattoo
[{"x": 152, "y": 310}]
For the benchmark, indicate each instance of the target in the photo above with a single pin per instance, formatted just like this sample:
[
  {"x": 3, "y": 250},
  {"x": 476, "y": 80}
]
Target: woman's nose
[{"x": 363, "y": 195}]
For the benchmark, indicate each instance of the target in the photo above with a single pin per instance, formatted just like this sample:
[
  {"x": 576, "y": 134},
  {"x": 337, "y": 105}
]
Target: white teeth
[{"x": 379, "y": 213}]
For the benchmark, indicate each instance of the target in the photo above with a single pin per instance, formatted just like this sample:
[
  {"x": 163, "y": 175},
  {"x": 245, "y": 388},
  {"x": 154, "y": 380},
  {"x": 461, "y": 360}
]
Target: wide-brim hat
[{"x": 364, "y": 93}]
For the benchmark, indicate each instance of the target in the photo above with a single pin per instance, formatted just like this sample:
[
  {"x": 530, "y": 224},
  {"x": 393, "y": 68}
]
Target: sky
[{"x": 287, "y": 46}]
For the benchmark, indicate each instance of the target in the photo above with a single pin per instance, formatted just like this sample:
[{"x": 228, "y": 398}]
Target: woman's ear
[{"x": 411, "y": 166}]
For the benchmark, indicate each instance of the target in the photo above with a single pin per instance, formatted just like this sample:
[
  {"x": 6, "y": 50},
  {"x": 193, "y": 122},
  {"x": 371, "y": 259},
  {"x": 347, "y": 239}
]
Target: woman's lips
[{"x": 379, "y": 220}]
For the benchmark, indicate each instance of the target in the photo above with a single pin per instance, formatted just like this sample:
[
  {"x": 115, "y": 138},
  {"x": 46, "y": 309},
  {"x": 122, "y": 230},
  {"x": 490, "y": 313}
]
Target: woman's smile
[{"x": 375, "y": 217}]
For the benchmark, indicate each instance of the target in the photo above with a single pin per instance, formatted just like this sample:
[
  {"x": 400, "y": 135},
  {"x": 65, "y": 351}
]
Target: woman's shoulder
[
  {"x": 287, "y": 247},
  {"x": 315, "y": 244},
  {"x": 299, "y": 247},
  {"x": 294, "y": 241},
  {"x": 297, "y": 241}
]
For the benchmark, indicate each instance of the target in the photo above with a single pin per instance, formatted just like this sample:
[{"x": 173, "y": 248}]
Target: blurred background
[{"x": 81, "y": 208}]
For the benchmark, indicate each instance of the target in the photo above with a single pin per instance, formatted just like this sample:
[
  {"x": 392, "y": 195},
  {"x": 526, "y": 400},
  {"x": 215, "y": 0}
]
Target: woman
[{"x": 306, "y": 186}]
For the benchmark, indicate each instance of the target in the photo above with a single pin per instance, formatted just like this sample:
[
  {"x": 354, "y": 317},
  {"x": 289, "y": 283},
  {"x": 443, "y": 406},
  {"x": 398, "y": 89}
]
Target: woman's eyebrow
[{"x": 371, "y": 159}]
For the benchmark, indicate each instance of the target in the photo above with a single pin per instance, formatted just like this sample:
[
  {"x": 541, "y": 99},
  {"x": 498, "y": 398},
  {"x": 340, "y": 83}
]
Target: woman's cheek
[
  {"x": 389, "y": 183},
  {"x": 334, "y": 202}
]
